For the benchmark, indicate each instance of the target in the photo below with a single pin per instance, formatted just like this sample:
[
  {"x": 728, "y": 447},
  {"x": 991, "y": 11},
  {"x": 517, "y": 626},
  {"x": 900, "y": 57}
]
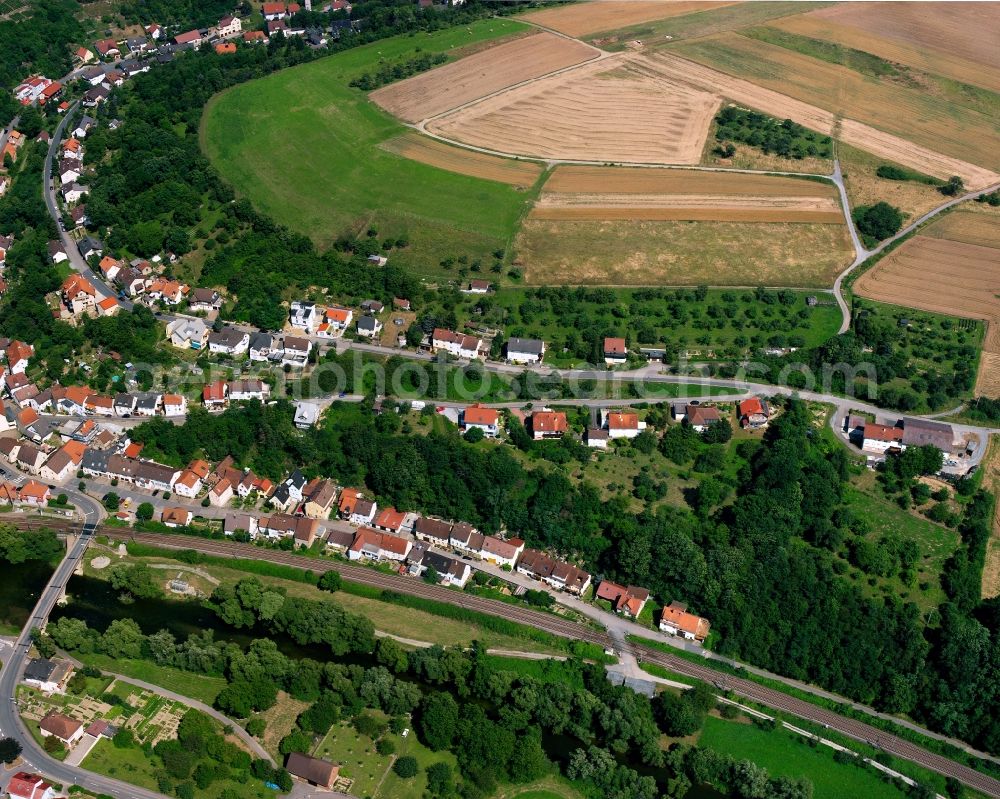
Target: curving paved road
[{"x": 34, "y": 757}]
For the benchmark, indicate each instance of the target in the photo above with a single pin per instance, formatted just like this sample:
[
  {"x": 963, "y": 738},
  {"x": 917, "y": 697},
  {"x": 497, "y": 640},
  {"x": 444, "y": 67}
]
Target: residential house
[
  {"x": 107, "y": 48},
  {"x": 154, "y": 31},
  {"x": 100, "y": 405},
  {"x": 18, "y": 355},
  {"x": 57, "y": 253},
  {"x": 615, "y": 351},
  {"x": 176, "y": 517},
  {"x": 62, "y": 464},
  {"x": 34, "y": 493},
  {"x": 235, "y": 522},
  {"x": 132, "y": 282},
  {"x": 272, "y": 11},
  {"x": 170, "y": 291},
  {"x": 48, "y": 676},
  {"x": 137, "y": 44},
  {"x": 174, "y": 404},
  {"x": 221, "y": 493},
  {"x": 252, "y": 37},
  {"x": 94, "y": 76},
  {"x": 206, "y": 300},
  {"x": 295, "y": 351},
  {"x": 378, "y": 260},
  {"x": 62, "y": 727},
  {"x": 29, "y": 458},
  {"x": 304, "y": 315},
  {"x": 881, "y": 438},
  {"x": 192, "y": 38},
  {"x": 499, "y": 552},
  {"x": 525, "y": 350},
  {"x": 25, "y": 785},
  {"x": 372, "y": 306},
  {"x": 83, "y": 55},
  {"x": 485, "y": 419},
  {"x": 676, "y": 620},
  {"x": 450, "y": 571},
  {"x": 245, "y": 390},
  {"x": 306, "y": 414},
  {"x": 229, "y": 341},
  {"x": 188, "y": 333},
  {"x": 187, "y": 485},
  {"x": 110, "y": 267},
  {"x": 215, "y": 395},
  {"x": 373, "y": 545},
  {"x": 5, "y": 244},
  {"x": 477, "y": 287},
  {"x": 434, "y": 531},
  {"x": 389, "y": 520},
  {"x": 753, "y": 413},
  {"x": 31, "y": 89},
  {"x": 281, "y": 525},
  {"x": 72, "y": 150},
  {"x": 228, "y": 27},
  {"x": 96, "y": 95},
  {"x": 701, "y": 417},
  {"x": 548, "y": 424},
  {"x": 364, "y": 512},
  {"x": 597, "y": 437},
  {"x": 73, "y": 192},
  {"x": 260, "y": 346},
  {"x": 369, "y": 326},
  {"x": 289, "y": 492},
  {"x": 88, "y": 247},
  {"x": 320, "y": 773},
  {"x": 567, "y": 577},
  {"x": 108, "y": 307},
  {"x": 458, "y": 344},
  {"x": 320, "y": 496},
  {"x": 622, "y": 424},
  {"x": 348, "y": 499},
  {"x": 124, "y": 404},
  {"x": 83, "y": 126},
  {"x": 400, "y": 303},
  {"x": 627, "y": 600},
  {"x": 334, "y": 322},
  {"x": 78, "y": 294},
  {"x": 534, "y": 564}
]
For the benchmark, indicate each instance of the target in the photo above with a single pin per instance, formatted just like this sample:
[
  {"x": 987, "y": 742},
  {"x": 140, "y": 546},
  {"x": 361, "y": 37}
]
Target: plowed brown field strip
[
  {"x": 594, "y": 112},
  {"x": 585, "y": 18},
  {"x": 607, "y": 180},
  {"x": 465, "y": 162},
  {"x": 780, "y": 105},
  {"x": 949, "y": 277},
  {"x": 431, "y": 93},
  {"x": 836, "y": 24}
]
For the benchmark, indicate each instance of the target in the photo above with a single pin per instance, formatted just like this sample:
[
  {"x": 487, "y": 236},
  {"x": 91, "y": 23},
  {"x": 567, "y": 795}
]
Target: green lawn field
[
  {"x": 304, "y": 147},
  {"x": 783, "y": 753}
]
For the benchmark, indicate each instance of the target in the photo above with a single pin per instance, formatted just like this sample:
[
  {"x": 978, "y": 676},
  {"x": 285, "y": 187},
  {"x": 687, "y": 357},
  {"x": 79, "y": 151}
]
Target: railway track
[
  {"x": 858, "y": 730},
  {"x": 852, "y": 728}
]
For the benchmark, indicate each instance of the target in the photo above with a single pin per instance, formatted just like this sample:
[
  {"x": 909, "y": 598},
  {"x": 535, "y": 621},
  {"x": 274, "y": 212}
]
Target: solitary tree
[
  {"x": 10, "y": 750},
  {"x": 144, "y": 512}
]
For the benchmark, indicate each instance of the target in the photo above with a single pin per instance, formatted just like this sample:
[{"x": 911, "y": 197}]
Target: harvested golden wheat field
[
  {"x": 837, "y": 24},
  {"x": 805, "y": 113},
  {"x": 670, "y": 253},
  {"x": 971, "y": 29},
  {"x": 451, "y": 85},
  {"x": 611, "y": 193},
  {"x": 601, "y": 111},
  {"x": 581, "y": 19},
  {"x": 968, "y": 227},
  {"x": 865, "y": 187},
  {"x": 426, "y": 150}
]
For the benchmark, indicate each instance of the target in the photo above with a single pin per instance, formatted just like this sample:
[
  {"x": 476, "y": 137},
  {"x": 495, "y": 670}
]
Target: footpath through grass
[{"x": 304, "y": 147}]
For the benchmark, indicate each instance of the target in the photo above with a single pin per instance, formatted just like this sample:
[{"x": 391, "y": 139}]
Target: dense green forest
[
  {"x": 37, "y": 41},
  {"x": 756, "y": 552}
]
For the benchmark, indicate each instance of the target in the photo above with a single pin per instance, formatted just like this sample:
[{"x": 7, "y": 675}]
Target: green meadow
[{"x": 303, "y": 146}]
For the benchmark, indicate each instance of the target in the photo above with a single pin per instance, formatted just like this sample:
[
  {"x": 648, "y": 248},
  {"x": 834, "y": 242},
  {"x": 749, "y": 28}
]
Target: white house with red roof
[
  {"x": 78, "y": 294},
  {"x": 25, "y": 785},
  {"x": 627, "y": 600},
  {"x": 622, "y": 424},
  {"x": 676, "y": 620},
  {"x": 228, "y": 27},
  {"x": 753, "y": 413},
  {"x": 881, "y": 438},
  {"x": 485, "y": 419},
  {"x": 548, "y": 424},
  {"x": 615, "y": 351},
  {"x": 458, "y": 344}
]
